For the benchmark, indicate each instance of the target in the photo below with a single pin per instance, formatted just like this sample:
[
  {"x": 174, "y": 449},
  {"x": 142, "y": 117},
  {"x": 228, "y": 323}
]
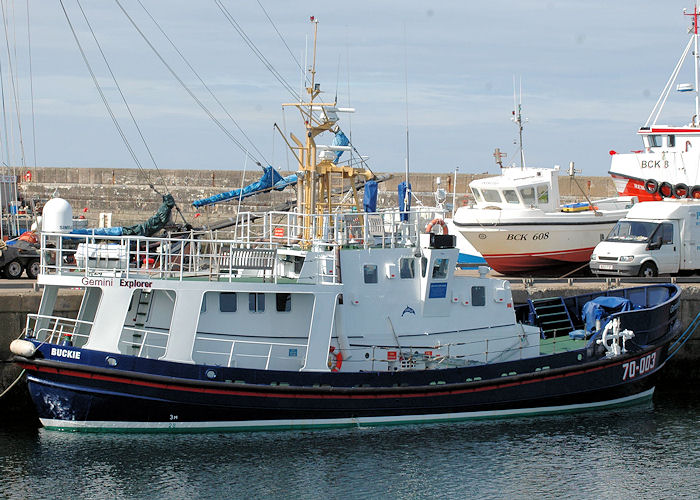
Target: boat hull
[
  {"x": 71, "y": 396},
  {"x": 518, "y": 248}
]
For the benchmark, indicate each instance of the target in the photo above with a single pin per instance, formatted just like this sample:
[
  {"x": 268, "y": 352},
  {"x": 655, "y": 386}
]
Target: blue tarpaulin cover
[
  {"x": 154, "y": 224},
  {"x": 602, "y": 307},
  {"x": 370, "y": 197},
  {"x": 340, "y": 139},
  {"x": 271, "y": 179},
  {"x": 402, "y": 195}
]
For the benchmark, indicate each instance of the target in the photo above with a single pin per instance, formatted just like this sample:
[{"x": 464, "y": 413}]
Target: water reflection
[{"x": 642, "y": 452}]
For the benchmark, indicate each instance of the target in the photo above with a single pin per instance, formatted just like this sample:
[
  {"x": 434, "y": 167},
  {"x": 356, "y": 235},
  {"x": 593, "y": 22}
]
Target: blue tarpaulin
[
  {"x": 602, "y": 307},
  {"x": 402, "y": 197},
  {"x": 370, "y": 196},
  {"x": 340, "y": 139},
  {"x": 270, "y": 179}
]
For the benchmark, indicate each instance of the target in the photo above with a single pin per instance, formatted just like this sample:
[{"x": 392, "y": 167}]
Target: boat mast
[
  {"x": 518, "y": 120},
  {"x": 697, "y": 57},
  {"x": 321, "y": 181}
]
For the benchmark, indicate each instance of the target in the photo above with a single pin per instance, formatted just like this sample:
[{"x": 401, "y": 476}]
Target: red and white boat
[
  {"x": 518, "y": 224},
  {"x": 669, "y": 163}
]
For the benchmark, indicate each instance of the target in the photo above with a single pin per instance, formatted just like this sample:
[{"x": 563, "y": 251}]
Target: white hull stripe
[{"x": 175, "y": 426}]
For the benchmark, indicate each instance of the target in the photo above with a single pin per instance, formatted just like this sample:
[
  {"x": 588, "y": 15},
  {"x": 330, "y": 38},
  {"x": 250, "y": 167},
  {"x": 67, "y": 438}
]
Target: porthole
[
  {"x": 211, "y": 374},
  {"x": 111, "y": 361}
]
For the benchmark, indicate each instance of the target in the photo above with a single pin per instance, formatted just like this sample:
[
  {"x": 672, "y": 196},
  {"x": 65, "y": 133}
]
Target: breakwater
[{"x": 127, "y": 195}]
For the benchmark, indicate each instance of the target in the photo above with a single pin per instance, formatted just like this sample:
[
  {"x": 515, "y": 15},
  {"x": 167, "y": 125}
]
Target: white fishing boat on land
[{"x": 668, "y": 164}]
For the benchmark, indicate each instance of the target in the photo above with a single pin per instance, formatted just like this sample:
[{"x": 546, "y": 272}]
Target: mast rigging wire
[
  {"x": 186, "y": 88},
  {"x": 31, "y": 85},
  {"x": 194, "y": 71}
]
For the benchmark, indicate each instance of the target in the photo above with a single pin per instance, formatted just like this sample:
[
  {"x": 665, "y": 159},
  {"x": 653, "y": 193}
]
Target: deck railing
[{"x": 251, "y": 254}]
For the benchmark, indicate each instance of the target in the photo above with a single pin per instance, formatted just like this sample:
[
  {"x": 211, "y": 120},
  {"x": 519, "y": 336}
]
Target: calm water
[{"x": 647, "y": 451}]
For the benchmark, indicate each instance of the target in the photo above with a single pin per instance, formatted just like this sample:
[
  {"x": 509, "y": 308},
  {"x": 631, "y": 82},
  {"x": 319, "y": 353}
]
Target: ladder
[
  {"x": 143, "y": 307},
  {"x": 552, "y": 316}
]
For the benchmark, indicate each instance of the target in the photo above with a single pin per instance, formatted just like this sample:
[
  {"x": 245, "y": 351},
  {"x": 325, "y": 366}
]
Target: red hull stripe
[
  {"x": 232, "y": 392},
  {"x": 548, "y": 255},
  {"x": 670, "y": 131}
]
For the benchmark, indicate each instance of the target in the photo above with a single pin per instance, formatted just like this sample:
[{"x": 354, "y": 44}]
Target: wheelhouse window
[
  {"x": 542, "y": 194},
  {"x": 671, "y": 139},
  {"x": 440, "y": 268},
  {"x": 407, "y": 268},
  {"x": 256, "y": 302},
  {"x": 477, "y": 194},
  {"x": 228, "y": 302},
  {"x": 491, "y": 196},
  {"x": 528, "y": 195},
  {"x": 654, "y": 141},
  {"x": 478, "y": 296},
  {"x": 511, "y": 196},
  {"x": 371, "y": 275},
  {"x": 284, "y": 302}
]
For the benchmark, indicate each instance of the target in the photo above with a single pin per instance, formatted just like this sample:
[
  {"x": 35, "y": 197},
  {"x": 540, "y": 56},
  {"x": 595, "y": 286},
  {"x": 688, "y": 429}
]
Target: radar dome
[{"x": 57, "y": 216}]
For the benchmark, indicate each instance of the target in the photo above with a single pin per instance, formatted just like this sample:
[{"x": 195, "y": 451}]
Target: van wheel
[{"x": 648, "y": 270}]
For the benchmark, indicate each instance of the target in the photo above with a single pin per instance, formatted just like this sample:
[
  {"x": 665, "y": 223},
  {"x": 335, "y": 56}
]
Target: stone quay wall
[{"x": 126, "y": 193}]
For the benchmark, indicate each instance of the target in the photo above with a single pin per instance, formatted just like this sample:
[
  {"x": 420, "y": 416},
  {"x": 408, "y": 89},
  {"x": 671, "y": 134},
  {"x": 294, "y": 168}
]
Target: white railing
[
  {"x": 228, "y": 347},
  {"x": 57, "y": 330},
  {"x": 252, "y": 254},
  {"x": 154, "y": 351}
]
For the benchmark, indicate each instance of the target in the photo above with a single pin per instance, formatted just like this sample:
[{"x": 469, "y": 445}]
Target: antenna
[
  {"x": 405, "y": 59},
  {"x": 518, "y": 119}
]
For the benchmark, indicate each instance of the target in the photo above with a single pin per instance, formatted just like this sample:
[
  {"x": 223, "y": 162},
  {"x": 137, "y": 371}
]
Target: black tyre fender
[
  {"x": 14, "y": 269},
  {"x": 648, "y": 270},
  {"x": 651, "y": 186},
  {"x": 695, "y": 192},
  {"x": 665, "y": 187},
  {"x": 681, "y": 190},
  {"x": 33, "y": 268}
]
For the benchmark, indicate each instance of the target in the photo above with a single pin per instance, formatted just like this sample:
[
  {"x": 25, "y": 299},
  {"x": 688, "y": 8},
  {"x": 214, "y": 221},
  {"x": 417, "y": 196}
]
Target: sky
[{"x": 590, "y": 73}]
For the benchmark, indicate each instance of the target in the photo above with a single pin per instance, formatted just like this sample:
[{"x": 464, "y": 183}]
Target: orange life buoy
[
  {"x": 440, "y": 222},
  {"x": 335, "y": 359}
]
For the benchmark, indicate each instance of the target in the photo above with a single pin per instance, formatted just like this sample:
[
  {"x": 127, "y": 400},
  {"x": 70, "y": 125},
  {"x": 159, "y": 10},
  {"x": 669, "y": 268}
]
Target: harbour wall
[
  {"x": 127, "y": 195},
  {"x": 681, "y": 373}
]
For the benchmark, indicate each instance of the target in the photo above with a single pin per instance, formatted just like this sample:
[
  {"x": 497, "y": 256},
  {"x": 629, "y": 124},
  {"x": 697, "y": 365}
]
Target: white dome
[{"x": 57, "y": 216}]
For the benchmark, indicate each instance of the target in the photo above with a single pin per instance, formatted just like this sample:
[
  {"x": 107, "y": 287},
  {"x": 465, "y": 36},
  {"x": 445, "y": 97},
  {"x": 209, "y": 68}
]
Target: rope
[
  {"x": 13, "y": 383},
  {"x": 211, "y": 93},
  {"x": 185, "y": 87},
  {"x": 675, "y": 347}
]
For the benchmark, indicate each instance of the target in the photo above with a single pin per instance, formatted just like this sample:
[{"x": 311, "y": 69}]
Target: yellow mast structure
[{"x": 321, "y": 182}]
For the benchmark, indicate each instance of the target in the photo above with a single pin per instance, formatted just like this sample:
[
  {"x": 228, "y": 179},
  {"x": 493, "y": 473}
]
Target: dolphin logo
[{"x": 408, "y": 310}]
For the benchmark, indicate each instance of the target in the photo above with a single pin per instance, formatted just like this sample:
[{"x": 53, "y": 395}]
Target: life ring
[
  {"x": 695, "y": 192},
  {"x": 651, "y": 186},
  {"x": 665, "y": 190},
  {"x": 335, "y": 359},
  {"x": 680, "y": 190},
  {"x": 440, "y": 222}
]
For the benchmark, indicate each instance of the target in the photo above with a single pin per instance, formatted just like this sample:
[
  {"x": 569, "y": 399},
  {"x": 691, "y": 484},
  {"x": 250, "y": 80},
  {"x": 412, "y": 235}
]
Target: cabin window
[
  {"x": 511, "y": 196},
  {"x": 542, "y": 194},
  {"x": 491, "y": 195},
  {"x": 666, "y": 234},
  {"x": 654, "y": 141},
  {"x": 423, "y": 266},
  {"x": 671, "y": 139},
  {"x": 371, "y": 275},
  {"x": 203, "y": 307},
  {"x": 478, "y": 296},
  {"x": 256, "y": 302},
  {"x": 477, "y": 195},
  {"x": 407, "y": 268},
  {"x": 528, "y": 194},
  {"x": 228, "y": 302},
  {"x": 440, "y": 268},
  {"x": 284, "y": 302}
]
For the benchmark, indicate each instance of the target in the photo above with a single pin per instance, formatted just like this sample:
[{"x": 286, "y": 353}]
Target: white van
[{"x": 656, "y": 237}]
